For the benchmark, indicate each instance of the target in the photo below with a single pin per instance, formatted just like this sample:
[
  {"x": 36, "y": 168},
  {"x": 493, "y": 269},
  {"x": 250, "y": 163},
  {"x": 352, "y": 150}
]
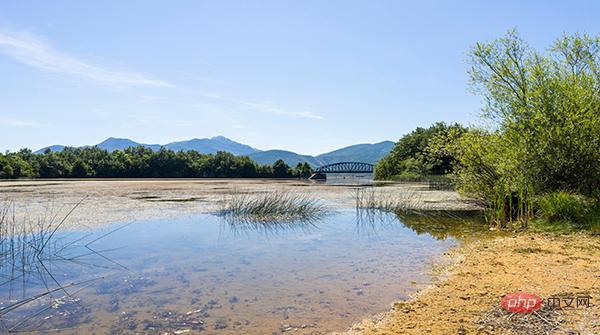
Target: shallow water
[{"x": 203, "y": 273}]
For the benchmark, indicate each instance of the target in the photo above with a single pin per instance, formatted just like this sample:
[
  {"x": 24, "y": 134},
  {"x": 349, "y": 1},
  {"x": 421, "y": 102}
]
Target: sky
[{"x": 306, "y": 76}]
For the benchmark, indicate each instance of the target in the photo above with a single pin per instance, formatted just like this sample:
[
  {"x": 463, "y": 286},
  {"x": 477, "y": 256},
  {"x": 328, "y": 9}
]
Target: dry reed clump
[
  {"x": 279, "y": 206},
  {"x": 543, "y": 321},
  {"x": 409, "y": 202}
]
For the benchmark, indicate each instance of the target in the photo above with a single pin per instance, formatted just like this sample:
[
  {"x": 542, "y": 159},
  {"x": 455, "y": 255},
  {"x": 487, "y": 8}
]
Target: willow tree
[{"x": 542, "y": 111}]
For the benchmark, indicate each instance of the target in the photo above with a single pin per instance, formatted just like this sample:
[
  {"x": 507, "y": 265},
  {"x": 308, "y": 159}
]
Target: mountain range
[{"x": 367, "y": 153}]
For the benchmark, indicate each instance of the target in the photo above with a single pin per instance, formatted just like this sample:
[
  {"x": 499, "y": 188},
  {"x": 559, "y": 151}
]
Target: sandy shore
[
  {"x": 467, "y": 299},
  {"x": 107, "y": 201}
]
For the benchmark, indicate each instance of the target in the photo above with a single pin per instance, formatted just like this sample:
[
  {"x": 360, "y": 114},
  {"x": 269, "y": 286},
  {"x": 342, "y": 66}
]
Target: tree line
[{"x": 140, "y": 162}]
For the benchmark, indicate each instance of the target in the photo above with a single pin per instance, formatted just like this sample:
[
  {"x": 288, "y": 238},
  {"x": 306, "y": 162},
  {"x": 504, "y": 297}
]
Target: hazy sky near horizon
[{"x": 307, "y": 76}]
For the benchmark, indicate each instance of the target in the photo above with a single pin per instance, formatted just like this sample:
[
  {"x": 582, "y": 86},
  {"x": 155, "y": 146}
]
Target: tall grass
[
  {"x": 564, "y": 212},
  {"x": 511, "y": 206},
  {"x": 562, "y": 206},
  {"x": 272, "y": 207},
  {"x": 373, "y": 207},
  {"x": 370, "y": 198},
  {"x": 32, "y": 255}
]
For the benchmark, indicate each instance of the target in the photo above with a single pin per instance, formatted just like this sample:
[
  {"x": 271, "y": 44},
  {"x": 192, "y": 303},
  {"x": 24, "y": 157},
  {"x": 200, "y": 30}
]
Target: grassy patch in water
[
  {"x": 276, "y": 206},
  {"x": 370, "y": 198}
]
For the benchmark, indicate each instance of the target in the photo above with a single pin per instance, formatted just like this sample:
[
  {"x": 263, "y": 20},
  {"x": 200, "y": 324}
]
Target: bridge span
[{"x": 344, "y": 171}]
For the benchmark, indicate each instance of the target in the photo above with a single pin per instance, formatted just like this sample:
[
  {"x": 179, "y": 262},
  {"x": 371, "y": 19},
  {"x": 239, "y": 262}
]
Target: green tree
[
  {"x": 543, "y": 111},
  {"x": 281, "y": 170},
  {"x": 136, "y": 162},
  {"x": 303, "y": 170},
  {"x": 413, "y": 156},
  {"x": 81, "y": 169},
  {"x": 6, "y": 170}
]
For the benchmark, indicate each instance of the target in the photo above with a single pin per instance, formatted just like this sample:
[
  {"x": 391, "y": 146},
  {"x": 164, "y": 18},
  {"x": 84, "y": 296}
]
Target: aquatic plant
[
  {"x": 372, "y": 198},
  {"x": 31, "y": 252},
  {"x": 272, "y": 207}
]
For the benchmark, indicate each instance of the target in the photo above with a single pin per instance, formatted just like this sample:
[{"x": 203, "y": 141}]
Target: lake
[{"x": 203, "y": 273}]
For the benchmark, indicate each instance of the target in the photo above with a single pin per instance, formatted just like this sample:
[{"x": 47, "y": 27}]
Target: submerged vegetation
[
  {"x": 411, "y": 209},
  {"x": 272, "y": 208},
  {"x": 140, "y": 162}
]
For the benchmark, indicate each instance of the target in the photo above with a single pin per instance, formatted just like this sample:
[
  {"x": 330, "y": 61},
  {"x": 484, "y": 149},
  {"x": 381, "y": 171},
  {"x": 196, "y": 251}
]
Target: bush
[{"x": 562, "y": 206}]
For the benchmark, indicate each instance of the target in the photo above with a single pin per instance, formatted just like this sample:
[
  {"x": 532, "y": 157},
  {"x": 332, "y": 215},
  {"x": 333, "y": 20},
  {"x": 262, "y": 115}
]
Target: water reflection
[
  {"x": 446, "y": 224},
  {"x": 234, "y": 276},
  {"x": 237, "y": 226}
]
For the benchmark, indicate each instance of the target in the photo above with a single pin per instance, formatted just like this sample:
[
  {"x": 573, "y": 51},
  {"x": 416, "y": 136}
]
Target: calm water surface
[{"x": 201, "y": 274}]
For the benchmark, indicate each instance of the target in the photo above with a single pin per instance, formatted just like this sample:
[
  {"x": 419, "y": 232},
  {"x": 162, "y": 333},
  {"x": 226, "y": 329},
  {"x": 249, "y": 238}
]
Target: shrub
[{"x": 562, "y": 206}]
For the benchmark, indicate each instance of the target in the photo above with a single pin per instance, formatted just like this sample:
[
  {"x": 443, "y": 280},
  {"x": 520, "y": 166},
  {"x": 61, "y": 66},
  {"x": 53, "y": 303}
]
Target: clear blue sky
[{"x": 307, "y": 76}]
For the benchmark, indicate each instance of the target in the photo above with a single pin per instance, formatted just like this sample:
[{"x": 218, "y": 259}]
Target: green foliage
[
  {"x": 588, "y": 219},
  {"x": 543, "y": 131},
  {"x": 81, "y": 169},
  {"x": 561, "y": 206},
  {"x": 418, "y": 153},
  {"x": 303, "y": 170},
  {"x": 281, "y": 170},
  {"x": 544, "y": 111},
  {"x": 139, "y": 162}
]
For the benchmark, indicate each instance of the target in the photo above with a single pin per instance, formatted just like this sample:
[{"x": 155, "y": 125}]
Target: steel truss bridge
[{"x": 342, "y": 168}]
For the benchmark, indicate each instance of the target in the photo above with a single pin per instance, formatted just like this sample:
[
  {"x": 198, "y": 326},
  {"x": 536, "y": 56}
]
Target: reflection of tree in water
[
  {"x": 42, "y": 270},
  {"x": 444, "y": 224},
  {"x": 439, "y": 224}
]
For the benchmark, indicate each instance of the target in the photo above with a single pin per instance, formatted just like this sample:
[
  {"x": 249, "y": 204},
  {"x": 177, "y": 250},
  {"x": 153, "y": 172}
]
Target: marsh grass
[
  {"x": 32, "y": 255},
  {"x": 562, "y": 206},
  {"x": 373, "y": 207},
  {"x": 272, "y": 207},
  {"x": 564, "y": 212},
  {"x": 371, "y": 198}
]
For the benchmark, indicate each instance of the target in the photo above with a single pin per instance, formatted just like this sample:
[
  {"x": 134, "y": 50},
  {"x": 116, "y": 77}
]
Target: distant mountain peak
[
  {"x": 367, "y": 153},
  {"x": 117, "y": 139}
]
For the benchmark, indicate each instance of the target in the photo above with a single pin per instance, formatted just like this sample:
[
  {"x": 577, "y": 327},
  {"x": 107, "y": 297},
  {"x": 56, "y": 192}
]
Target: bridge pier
[{"x": 318, "y": 176}]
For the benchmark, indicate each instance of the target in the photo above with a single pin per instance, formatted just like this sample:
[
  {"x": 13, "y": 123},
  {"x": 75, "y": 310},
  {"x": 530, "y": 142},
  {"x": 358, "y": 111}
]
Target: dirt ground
[
  {"x": 467, "y": 299},
  {"x": 106, "y": 201}
]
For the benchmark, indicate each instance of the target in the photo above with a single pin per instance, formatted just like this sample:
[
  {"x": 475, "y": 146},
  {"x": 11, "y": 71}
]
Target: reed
[
  {"x": 370, "y": 198},
  {"x": 32, "y": 252},
  {"x": 269, "y": 207}
]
